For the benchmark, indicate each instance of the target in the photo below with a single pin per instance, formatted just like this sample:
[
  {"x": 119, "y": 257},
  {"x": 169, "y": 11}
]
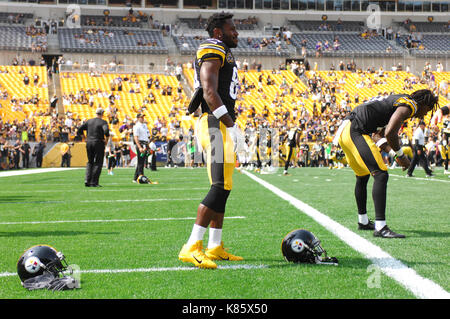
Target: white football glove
[{"x": 237, "y": 137}]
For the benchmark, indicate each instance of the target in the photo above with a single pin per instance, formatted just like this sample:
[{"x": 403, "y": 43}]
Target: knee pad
[{"x": 216, "y": 199}]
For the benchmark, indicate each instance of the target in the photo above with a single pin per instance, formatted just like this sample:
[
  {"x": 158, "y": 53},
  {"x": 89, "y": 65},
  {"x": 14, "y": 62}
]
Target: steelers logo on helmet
[
  {"x": 32, "y": 265},
  {"x": 298, "y": 245},
  {"x": 39, "y": 259},
  {"x": 301, "y": 246}
]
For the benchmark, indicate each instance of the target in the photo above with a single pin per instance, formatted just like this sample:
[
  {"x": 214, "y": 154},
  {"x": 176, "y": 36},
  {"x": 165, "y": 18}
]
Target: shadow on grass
[
  {"x": 13, "y": 198},
  {"x": 426, "y": 234}
]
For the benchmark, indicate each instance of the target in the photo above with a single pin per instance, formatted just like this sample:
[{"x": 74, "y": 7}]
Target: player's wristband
[
  {"x": 381, "y": 141},
  {"x": 396, "y": 154},
  {"x": 220, "y": 111}
]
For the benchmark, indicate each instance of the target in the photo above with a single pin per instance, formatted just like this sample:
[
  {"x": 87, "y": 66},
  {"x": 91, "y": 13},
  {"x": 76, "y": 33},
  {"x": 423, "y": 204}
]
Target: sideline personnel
[
  {"x": 97, "y": 129},
  {"x": 141, "y": 138}
]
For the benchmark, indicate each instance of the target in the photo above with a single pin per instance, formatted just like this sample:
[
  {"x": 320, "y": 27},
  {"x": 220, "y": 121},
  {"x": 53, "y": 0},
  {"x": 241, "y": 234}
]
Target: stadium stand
[
  {"x": 357, "y": 44},
  {"x": 110, "y": 40},
  {"x": 23, "y": 98},
  {"x": 241, "y": 24},
  {"x": 253, "y": 46},
  {"x": 425, "y": 27},
  {"x": 22, "y": 38},
  {"x": 14, "y": 17},
  {"x": 273, "y": 92},
  {"x": 123, "y": 96},
  {"x": 112, "y": 21},
  {"x": 338, "y": 25}
]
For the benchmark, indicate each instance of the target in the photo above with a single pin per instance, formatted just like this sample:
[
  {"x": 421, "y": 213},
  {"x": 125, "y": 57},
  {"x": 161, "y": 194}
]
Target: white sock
[
  {"x": 362, "y": 218},
  {"x": 379, "y": 224},
  {"x": 215, "y": 237},
  {"x": 197, "y": 234}
]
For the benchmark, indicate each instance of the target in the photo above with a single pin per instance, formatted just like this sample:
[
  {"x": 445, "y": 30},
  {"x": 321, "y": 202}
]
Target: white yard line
[
  {"x": 407, "y": 277},
  {"x": 119, "y": 189},
  {"x": 429, "y": 179},
  {"x": 36, "y": 171},
  {"x": 153, "y": 269},
  {"x": 100, "y": 201}
]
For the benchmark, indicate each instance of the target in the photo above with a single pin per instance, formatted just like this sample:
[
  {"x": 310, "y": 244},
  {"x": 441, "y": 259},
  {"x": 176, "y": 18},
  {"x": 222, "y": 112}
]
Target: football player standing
[
  {"x": 381, "y": 118},
  {"x": 216, "y": 84}
]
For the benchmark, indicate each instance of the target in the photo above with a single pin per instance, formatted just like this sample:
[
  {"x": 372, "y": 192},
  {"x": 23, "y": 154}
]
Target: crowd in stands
[
  {"x": 315, "y": 101},
  {"x": 39, "y": 35}
]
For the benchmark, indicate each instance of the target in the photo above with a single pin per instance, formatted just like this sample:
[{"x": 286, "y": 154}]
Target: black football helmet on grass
[
  {"x": 39, "y": 259},
  {"x": 302, "y": 246}
]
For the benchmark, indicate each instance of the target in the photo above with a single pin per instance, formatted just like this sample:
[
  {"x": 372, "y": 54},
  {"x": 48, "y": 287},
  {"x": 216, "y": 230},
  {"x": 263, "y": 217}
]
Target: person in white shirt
[
  {"x": 141, "y": 136},
  {"x": 419, "y": 151}
]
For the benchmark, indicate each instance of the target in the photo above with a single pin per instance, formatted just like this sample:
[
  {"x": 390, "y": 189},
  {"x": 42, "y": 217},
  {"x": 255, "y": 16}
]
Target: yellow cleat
[
  {"x": 220, "y": 253},
  {"x": 194, "y": 254}
]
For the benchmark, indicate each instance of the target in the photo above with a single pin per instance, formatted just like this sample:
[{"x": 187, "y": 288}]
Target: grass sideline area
[{"x": 125, "y": 237}]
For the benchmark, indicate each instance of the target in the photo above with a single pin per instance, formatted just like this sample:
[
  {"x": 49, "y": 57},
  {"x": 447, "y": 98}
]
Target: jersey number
[{"x": 234, "y": 84}]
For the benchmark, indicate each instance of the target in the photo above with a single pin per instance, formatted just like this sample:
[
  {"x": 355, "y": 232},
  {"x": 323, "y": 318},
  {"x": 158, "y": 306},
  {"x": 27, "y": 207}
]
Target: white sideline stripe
[
  {"x": 155, "y": 269},
  {"x": 422, "y": 178},
  {"x": 110, "y": 190},
  {"x": 134, "y": 200},
  {"x": 108, "y": 220},
  {"x": 36, "y": 171},
  {"x": 407, "y": 277},
  {"x": 102, "y": 201}
]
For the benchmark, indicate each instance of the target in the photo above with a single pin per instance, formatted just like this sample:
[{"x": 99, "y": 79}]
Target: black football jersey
[
  {"x": 375, "y": 114},
  {"x": 228, "y": 74},
  {"x": 292, "y": 136}
]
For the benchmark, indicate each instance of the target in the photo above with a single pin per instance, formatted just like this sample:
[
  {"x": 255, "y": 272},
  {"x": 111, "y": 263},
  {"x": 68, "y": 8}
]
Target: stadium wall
[
  {"x": 53, "y": 157},
  {"x": 323, "y": 63}
]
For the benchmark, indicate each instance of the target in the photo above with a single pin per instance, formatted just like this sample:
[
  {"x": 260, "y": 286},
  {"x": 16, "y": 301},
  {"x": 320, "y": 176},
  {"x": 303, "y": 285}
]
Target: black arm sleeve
[
  {"x": 106, "y": 129},
  {"x": 81, "y": 129}
]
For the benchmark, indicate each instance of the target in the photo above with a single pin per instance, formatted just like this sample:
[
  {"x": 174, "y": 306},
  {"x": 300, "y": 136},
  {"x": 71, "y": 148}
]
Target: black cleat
[
  {"x": 369, "y": 226},
  {"x": 96, "y": 185},
  {"x": 385, "y": 232},
  {"x": 87, "y": 185}
]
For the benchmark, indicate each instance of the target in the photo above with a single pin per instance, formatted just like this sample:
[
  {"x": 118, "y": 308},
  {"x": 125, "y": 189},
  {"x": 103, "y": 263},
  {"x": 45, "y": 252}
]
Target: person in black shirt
[
  {"x": 170, "y": 145},
  {"x": 38, "y": 151},
  {"x": 26, "y": 154},
  {"x": 293, "y": 138},
  {"x": 97, "y": 129}
]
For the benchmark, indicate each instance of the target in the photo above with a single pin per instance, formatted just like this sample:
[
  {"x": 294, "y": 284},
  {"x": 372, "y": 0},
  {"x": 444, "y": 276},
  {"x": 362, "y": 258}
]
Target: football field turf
[{"x": 125, "y": 237}]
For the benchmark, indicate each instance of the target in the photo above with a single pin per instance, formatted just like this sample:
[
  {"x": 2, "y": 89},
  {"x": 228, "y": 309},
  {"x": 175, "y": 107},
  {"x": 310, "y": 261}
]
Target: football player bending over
[
  {"x": 381, "y": 118},
  {"x": 216, "y": 83}
]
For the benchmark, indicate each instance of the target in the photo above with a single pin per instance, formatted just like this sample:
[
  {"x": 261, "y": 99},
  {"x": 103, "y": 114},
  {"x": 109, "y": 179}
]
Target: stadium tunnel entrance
[{"x": 52, "y": 61}]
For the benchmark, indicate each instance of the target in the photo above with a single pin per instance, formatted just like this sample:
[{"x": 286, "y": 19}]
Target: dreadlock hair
[
  {"x": 426, "y": 98},
  {"x": 217, "y": 20}
]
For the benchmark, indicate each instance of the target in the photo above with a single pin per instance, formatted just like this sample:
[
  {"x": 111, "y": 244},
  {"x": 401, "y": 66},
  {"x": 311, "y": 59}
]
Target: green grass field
[{"x": 126, "y": 237}]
